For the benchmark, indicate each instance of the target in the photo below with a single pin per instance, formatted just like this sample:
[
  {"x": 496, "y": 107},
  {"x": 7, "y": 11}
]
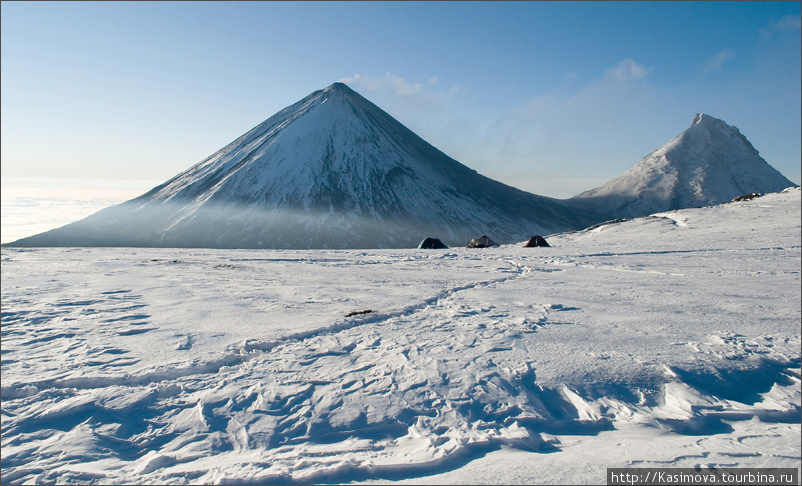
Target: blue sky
[{"x": 553, "y": 98}]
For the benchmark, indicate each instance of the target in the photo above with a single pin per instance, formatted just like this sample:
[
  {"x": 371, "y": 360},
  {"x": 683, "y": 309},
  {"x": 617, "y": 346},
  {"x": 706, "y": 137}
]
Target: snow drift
[{"x": 662, "y": 341}]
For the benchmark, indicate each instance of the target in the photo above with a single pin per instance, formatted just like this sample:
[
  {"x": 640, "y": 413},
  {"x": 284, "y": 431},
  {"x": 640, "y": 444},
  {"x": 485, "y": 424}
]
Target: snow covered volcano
[
  {"x": 330, "y": 171},
  {"x": 708, "y": 164}
]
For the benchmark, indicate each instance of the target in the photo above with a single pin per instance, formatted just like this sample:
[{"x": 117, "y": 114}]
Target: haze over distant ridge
[
  {"x": 330, "y": 171},
  {"x": 335, "y": 171}
]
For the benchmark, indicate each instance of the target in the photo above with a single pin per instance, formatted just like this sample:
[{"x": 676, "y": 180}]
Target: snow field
[{"x": 646, "y": 342}]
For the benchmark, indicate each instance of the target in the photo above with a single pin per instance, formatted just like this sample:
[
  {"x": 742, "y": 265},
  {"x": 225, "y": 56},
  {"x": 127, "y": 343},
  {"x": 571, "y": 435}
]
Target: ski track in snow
[{"x": 645, "y": 343}]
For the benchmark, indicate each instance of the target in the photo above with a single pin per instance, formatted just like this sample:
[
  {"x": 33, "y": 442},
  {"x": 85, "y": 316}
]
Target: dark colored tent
[
  {"x": 431, "y": 243},
  {"x": 536, "y": 241},
  {"x": 481, "y": 242}
]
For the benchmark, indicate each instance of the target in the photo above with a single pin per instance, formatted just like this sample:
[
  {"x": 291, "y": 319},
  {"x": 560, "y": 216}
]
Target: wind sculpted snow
[{"x": 680, "y": 331}]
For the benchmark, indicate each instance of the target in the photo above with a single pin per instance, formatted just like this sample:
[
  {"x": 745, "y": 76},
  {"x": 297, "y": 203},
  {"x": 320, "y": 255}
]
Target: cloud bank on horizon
[{"x": 528, "y": 94}]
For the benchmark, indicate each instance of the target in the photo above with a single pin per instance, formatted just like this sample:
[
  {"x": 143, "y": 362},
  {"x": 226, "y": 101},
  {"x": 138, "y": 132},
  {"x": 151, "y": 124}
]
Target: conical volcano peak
[
  {"x": 332, "y": 170},
  {"x": 709, "y": 163},
  {"x": 710, "y": 131},
  {"x": 339, "y": 89},
  {"x": 707, "y": 121},
  {"x": 339, "y": 86},
  {"x": 702, "y": 121},
  {"x": 336, "y": 94}
]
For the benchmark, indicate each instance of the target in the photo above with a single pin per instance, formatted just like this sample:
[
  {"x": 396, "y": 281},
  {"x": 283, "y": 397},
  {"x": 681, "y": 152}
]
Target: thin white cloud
[
  {"x": 627, "y": 69},
  {"x": 539, "y": 136},
  {"x": 397, "y": 84},
  {"x": 427, "y": 107},
  {"x": 719, "y": 59},
  {"x": 789, "y": 22},
  {"x": 352, "y": 80}
]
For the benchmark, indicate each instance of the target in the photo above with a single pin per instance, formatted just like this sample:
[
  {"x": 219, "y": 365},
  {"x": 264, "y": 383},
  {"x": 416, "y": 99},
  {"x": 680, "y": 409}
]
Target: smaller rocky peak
[{"x": 702, "y": 120}]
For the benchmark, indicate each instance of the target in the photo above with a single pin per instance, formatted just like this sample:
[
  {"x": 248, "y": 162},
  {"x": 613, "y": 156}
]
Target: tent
[
  {"x": 481, "y": 242},
  {"x": 431, "y": 243},
  {"x": 536, "y": 241}
]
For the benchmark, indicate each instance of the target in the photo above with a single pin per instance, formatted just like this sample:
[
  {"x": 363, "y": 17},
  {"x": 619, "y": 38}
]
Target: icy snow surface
[{"x": 670, "y": 340}]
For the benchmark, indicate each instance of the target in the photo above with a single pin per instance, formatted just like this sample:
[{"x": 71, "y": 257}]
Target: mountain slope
[
  {"x": 331, "y": 171},
  {"x": 709, "y": 163}
]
